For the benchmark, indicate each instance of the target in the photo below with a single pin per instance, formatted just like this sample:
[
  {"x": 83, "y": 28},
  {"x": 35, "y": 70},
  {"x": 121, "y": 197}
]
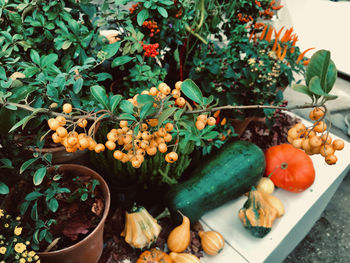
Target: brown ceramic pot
[
  {"x": 60, "y": 155},
  {"x": 241, "y": 125},
  {"x": 90, "y": 248}
]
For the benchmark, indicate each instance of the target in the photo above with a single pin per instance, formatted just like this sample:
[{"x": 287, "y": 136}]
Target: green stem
[{"x": 188, "y": 29}]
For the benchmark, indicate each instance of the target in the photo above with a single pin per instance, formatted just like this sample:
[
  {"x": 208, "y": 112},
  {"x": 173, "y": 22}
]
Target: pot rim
[{"x": 107, "y": 200}]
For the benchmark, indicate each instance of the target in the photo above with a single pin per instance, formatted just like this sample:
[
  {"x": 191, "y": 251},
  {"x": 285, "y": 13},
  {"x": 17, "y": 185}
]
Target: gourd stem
[{"x": 284, "y": 166}]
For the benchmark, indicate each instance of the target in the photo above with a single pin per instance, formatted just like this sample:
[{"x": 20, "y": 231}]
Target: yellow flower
[
  {"x": 36, "y": 257},
  {"x": 20, "y": 247},
  {"x": 6, "y": 225},
  {"x": 29, "y": 259},
  {"x": 22, "y": 260},
  {"x": 18, "y": 218},
  {"x": 2, "y": 250},
  {"x": 27, "y": 243},
  {"x": 17, "y": 230},
  {"x": 1, "y": 213},
  {"x": 31, "y": 254}
]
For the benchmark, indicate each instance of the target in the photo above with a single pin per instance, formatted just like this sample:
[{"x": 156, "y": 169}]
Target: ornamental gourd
[
  {"x": 212, "y": 242},
  {"x": 259, "y": 212},
  {"x": 154, "y": 255},
  {"x": 141, "y": 229},
  {"x": 184, "y": 258},
  {"x": 291, "y": 169},
  {"x": 180, "y": 237}
]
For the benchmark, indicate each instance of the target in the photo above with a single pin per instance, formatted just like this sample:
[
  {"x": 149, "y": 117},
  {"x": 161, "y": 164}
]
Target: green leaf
[
  {"x": 34, "y": 213},
  {"x": 11, "y": 107},
  {"x": 103, "y": 76},
  {"x": 302, "y": 89},
  {"x": 127, "y": 106},
  {"x": 210, "y": 135},
  {"x": 144, "y": 99},
  {"x": 39, "y": 175},
  {"x": 6, "y": 163},
  {"x": 178, "y": 114},
  {"x": 114, "y": 101},
  {"x": 35, "y": 57},
  {"x": 42, "y": 233},
  {"x": 127, "y": 116},
  {"x": 332, "y": 75},
  {"x": 192, "y": 91},
  {"x": 142, "y": 16},
  {"x": 21, "y": 122},
  {"x": 48, "y": 60},
  {"x": 166, "y": 114},
  {"x": 121, "y": 61},
  {"x": 84, "y": 197},
  {"x": 78, "y": 84},
  {"x": 162, "y": 11},
  {"x": 25, "y": 120},
  {"x": 33, "y": 195},
  {"x": 66, "y": 44},
  {"x": 30, "y": 71},
  {"x": 146, "y": 110},
  {"x": 53, "y": 205},
  {"x": 322, "y": 66},
  {"x": 111, "y": 49},
  {"x": 4, "y": 190},
  {"x": 2, "y": 74},
  {"x": 26, "y": 164},
  {"x": 100, "y": 95}
]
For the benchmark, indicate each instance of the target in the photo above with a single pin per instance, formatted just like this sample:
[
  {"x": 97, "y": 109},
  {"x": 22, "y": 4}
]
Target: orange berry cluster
[
  {"x": 164, "y": 90},
  {"x": 72, "y": 140},
  {"x": 151, "y": 50},
  {"x": 152, "y": 26},
  {"x": 149, "y": 139},
  {"x": 315, "y": 139},
  {"x": 133, "y": 8},
  {"x": 203, "y": 120},
  {"x": 136, "y": 146}
]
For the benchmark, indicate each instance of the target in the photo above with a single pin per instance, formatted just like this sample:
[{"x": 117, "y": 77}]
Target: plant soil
[{"x": 117, "y": 250}]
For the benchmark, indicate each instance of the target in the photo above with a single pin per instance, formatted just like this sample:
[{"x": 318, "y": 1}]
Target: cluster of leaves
[
  {"x": 50, "y": 52},
  {"x": 320, "y": 77},
  {"x": 244, "y": 72}
]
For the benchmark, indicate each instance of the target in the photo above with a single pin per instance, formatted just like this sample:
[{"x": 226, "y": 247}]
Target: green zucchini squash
[{"x": 223, "y": 176}]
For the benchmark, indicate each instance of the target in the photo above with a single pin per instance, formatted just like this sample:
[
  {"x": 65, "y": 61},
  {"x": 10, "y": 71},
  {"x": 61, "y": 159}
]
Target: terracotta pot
[
  {"x": 60, "y": 155},
  {"x": 241, "y": 125},
  {"x": 90, "y": 248}
]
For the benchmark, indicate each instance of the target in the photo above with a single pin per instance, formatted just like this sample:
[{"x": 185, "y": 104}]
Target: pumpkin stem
[
  {"x": 284, "y": 166},
  {"x": 165, "y": 213}
]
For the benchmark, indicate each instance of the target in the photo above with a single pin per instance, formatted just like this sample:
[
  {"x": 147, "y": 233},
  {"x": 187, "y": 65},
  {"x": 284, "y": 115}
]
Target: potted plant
[{"x": 62, "y": 209}]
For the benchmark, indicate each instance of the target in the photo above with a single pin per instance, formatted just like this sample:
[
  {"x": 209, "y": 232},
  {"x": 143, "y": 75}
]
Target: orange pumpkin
[
  {"x": 155, "y": 256},
  {"x": 290, "y": 168}
]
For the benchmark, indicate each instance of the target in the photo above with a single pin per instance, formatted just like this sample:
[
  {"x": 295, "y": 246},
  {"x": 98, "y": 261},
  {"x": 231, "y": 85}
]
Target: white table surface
[
  {"x": 241, "y": 246},
  {"x": 322, "y": 24}
]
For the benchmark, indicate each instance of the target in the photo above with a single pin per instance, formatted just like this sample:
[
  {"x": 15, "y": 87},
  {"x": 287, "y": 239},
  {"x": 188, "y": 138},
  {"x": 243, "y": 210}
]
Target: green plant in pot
[{"x": 47, "y": 198}]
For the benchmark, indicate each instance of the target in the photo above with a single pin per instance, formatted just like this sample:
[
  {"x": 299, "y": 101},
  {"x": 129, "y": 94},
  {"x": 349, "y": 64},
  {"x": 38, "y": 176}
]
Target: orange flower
[
  {"x": 300, "y": 57},
  {"x": 263, "y": 32},
  {"x": 284, "y": 53},
  {"x": 269, "y": 34}
]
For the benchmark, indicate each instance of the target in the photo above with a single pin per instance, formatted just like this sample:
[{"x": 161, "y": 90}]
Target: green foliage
[{"x": 320, "y": 77}]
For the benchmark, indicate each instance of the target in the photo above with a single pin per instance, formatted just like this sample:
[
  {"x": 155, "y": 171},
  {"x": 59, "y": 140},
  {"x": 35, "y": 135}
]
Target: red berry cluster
[
  {"x": 151, "y": 50},
  {"x": 133, "y": 8},
  {"x": 152, "y": 26}
]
